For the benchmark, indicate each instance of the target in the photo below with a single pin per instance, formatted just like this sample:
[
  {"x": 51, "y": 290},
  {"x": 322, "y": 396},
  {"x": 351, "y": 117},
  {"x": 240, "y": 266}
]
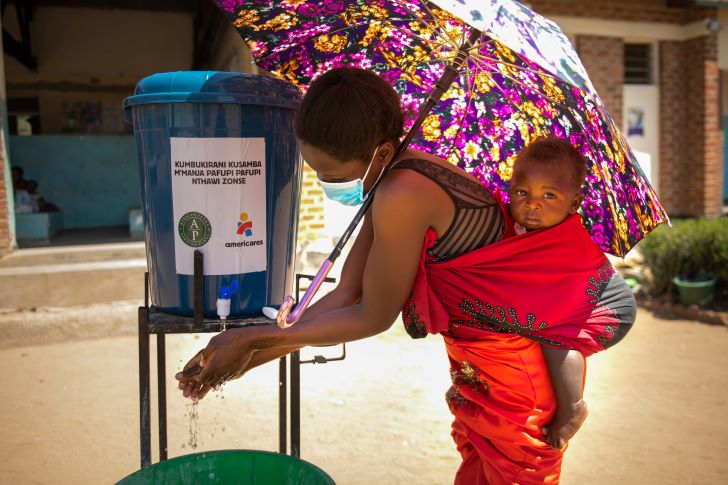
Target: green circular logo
[{"x": 194, "y": 229}]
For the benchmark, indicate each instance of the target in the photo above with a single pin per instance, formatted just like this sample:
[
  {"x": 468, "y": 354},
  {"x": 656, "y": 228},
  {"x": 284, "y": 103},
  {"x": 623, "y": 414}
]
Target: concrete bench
[{"x": 38, "y": 226}]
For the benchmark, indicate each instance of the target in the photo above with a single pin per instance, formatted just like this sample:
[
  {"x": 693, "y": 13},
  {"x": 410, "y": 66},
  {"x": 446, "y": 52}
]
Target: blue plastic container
[{"x": 220, "y": 172}]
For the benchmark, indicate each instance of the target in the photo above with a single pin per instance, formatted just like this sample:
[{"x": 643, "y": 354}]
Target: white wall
[{"x": 646, "y": 99}]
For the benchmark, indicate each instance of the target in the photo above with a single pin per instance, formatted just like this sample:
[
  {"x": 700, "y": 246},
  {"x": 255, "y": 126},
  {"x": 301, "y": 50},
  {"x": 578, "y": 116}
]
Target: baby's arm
[{"x": 566, "y": 368}]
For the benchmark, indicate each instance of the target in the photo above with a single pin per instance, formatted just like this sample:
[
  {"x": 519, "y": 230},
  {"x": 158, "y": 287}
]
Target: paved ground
[{"x": 658, "y": 405}]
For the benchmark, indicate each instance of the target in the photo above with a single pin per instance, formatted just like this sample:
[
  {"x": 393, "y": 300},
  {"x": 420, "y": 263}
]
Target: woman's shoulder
[
  {"x": 412, "y": 157},
  {"x": 410, "y": 191},
  {"x": 432, "y": 165},
  {"x": 403, "y": 184}
]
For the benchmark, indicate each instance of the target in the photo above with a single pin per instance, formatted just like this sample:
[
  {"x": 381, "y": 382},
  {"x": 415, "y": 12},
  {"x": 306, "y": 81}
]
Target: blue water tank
[{"x": 220, "y": 172}]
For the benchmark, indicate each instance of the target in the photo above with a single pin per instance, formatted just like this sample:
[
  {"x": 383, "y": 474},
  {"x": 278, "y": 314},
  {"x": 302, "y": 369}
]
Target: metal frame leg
[
  {"x": 145, "y": 422},
  {"x": 296, "y": 379},
  {"x": 162, "y": 396},
  {"x": 296, "y": 404},
  {"x": 282, "y": 405}
]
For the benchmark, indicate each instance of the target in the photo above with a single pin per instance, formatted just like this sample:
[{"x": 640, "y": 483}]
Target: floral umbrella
[{"x": 517, "y": 78}]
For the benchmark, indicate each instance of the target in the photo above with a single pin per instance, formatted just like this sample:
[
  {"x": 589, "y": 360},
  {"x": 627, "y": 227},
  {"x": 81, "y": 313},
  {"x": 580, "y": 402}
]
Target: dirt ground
[{"x": 658, "y": 404}]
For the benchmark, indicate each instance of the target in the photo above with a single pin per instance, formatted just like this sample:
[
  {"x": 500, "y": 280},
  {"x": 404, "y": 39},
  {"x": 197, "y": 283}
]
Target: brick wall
[
  {"x": 673, "y": 85},
  {"x": 691, "y": 139},
  {"x": 691, "y": 148},
  {"x": 634, "y": 10},
  {"x": 603, "y": 58},
  {"x": 311, "y": 218},
  {"x": 5, "y": 241},
  {"x": 705, "y": 180}
]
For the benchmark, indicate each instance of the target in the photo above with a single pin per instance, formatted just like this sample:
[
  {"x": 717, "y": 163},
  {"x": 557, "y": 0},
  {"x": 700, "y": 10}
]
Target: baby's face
[{"x": 543, "y": 194}]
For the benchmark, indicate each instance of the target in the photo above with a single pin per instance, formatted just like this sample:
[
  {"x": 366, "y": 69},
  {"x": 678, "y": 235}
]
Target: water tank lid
[{"x": 213, "y": 87}]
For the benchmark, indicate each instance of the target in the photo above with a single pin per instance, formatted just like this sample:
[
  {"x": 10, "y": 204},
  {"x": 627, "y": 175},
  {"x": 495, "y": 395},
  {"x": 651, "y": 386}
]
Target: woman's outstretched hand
[{"x": 225, "y": 358}]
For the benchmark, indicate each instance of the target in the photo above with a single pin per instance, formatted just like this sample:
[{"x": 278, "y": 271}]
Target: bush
[{"x": 689, "y": 247}]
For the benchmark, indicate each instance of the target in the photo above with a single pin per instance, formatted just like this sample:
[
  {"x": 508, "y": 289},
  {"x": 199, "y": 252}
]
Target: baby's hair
[
  {"x": 552, "y": 149},
  {"x": 347, "y": 111}
]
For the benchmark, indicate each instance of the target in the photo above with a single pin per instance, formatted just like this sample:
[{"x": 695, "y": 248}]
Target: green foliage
[{"x": 689, "y": 247}]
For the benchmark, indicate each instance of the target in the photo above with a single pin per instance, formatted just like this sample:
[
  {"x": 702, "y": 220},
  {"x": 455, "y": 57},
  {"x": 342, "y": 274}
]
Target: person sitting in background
[
  {"x": 42, "y": 205},
  {"x": 17, "y": 176},
  {"x": 24, "y": 203}
]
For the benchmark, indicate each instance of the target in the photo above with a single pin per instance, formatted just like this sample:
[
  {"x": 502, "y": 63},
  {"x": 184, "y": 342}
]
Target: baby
[{"x": 544, "y": 192}]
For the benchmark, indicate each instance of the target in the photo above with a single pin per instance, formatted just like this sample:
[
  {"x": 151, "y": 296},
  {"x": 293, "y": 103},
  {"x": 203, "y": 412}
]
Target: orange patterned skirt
[{"x": 501, "y": 397}]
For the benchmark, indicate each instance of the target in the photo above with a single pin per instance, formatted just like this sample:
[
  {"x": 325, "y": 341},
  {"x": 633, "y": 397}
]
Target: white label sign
[{"x": 219, "y": 204}]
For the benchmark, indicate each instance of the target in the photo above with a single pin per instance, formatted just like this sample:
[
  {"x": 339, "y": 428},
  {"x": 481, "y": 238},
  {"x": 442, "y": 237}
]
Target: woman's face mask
[{"x": 349, "y": 193}]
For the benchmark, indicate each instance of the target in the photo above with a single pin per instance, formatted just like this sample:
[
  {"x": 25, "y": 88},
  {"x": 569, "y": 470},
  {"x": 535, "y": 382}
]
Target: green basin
[
  {"x": 231, "y": 467},
  {"x": 695, "y": 292}
]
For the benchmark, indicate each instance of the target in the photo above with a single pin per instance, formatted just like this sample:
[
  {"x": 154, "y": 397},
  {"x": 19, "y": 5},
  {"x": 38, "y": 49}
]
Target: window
[
  {"x": 23, "y": 116},
  {"x": 638, "y": 64}
]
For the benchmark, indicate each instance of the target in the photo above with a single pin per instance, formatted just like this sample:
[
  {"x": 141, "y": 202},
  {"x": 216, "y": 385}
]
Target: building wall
[
  {"x": 603, "y": 58},
  {"x": 644, "y": 137},
  {"x": 632, "y": 10},
  {"x": 706, "y": 181},
  {"x": 89, "y": 60},
  {"x": 7, "y": 216},
  {"x": 673, "y": 136},
  {"x": 7, "y": 226},
  {"x": 692, "y": 141},
  {"x": 691, "y": 166},
  {"x": 94, "y": 180},
  {"x": 92, "y": 59},
  {"x": 102, "y": 47},
  {"x": 311, "y": 221}
]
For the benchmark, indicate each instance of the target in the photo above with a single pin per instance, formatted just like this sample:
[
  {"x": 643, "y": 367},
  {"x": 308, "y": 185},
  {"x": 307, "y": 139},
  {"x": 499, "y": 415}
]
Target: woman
[{"x": 349, "y": 126}]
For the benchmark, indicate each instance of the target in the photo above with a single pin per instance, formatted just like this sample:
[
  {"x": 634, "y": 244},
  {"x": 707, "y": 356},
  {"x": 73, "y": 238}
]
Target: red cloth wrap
[
  {"x": 484, "y": 303},
  {"x": 544, "y": 285}
]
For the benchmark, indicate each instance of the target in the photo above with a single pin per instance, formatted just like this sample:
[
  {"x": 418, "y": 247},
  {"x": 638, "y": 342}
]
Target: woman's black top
[{"x": 478, "y": 220}]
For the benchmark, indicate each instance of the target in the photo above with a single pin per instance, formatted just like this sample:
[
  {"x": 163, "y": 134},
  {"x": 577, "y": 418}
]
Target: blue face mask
[{"x": 349, "y": 193}]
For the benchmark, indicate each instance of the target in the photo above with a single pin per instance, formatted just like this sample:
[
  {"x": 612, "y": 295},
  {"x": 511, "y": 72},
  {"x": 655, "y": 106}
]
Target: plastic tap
[{"x": 223, "y": 301}]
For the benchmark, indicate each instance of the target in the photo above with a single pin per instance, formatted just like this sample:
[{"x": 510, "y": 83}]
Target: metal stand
[
  {"x": 152, "y": 321},
  {"x": 296, "y": 377}
]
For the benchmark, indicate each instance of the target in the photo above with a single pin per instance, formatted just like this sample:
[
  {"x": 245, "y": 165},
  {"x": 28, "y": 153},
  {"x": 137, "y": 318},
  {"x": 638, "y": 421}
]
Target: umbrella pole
[{"x": 442, "y": 85}]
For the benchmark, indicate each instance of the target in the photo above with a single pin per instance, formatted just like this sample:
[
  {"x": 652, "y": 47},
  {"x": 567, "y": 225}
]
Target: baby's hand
[{"x": 284, "y": 310}]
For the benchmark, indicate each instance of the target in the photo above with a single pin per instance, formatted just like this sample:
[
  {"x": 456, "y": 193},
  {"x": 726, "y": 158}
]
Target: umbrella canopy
[{"x": 521, "y": 80}]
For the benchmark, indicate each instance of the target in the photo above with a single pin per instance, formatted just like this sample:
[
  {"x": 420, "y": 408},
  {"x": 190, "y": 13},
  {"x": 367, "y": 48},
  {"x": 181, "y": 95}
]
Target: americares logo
[{"x": 245, "y": 226}]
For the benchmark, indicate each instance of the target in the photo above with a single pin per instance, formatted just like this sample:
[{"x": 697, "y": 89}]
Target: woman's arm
[
  {"x": 401, "y": 214},
  {"x": 349, "y": 287},
  {"x": 346, "y": 293},
  {"x": 388, "y": 276}
]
